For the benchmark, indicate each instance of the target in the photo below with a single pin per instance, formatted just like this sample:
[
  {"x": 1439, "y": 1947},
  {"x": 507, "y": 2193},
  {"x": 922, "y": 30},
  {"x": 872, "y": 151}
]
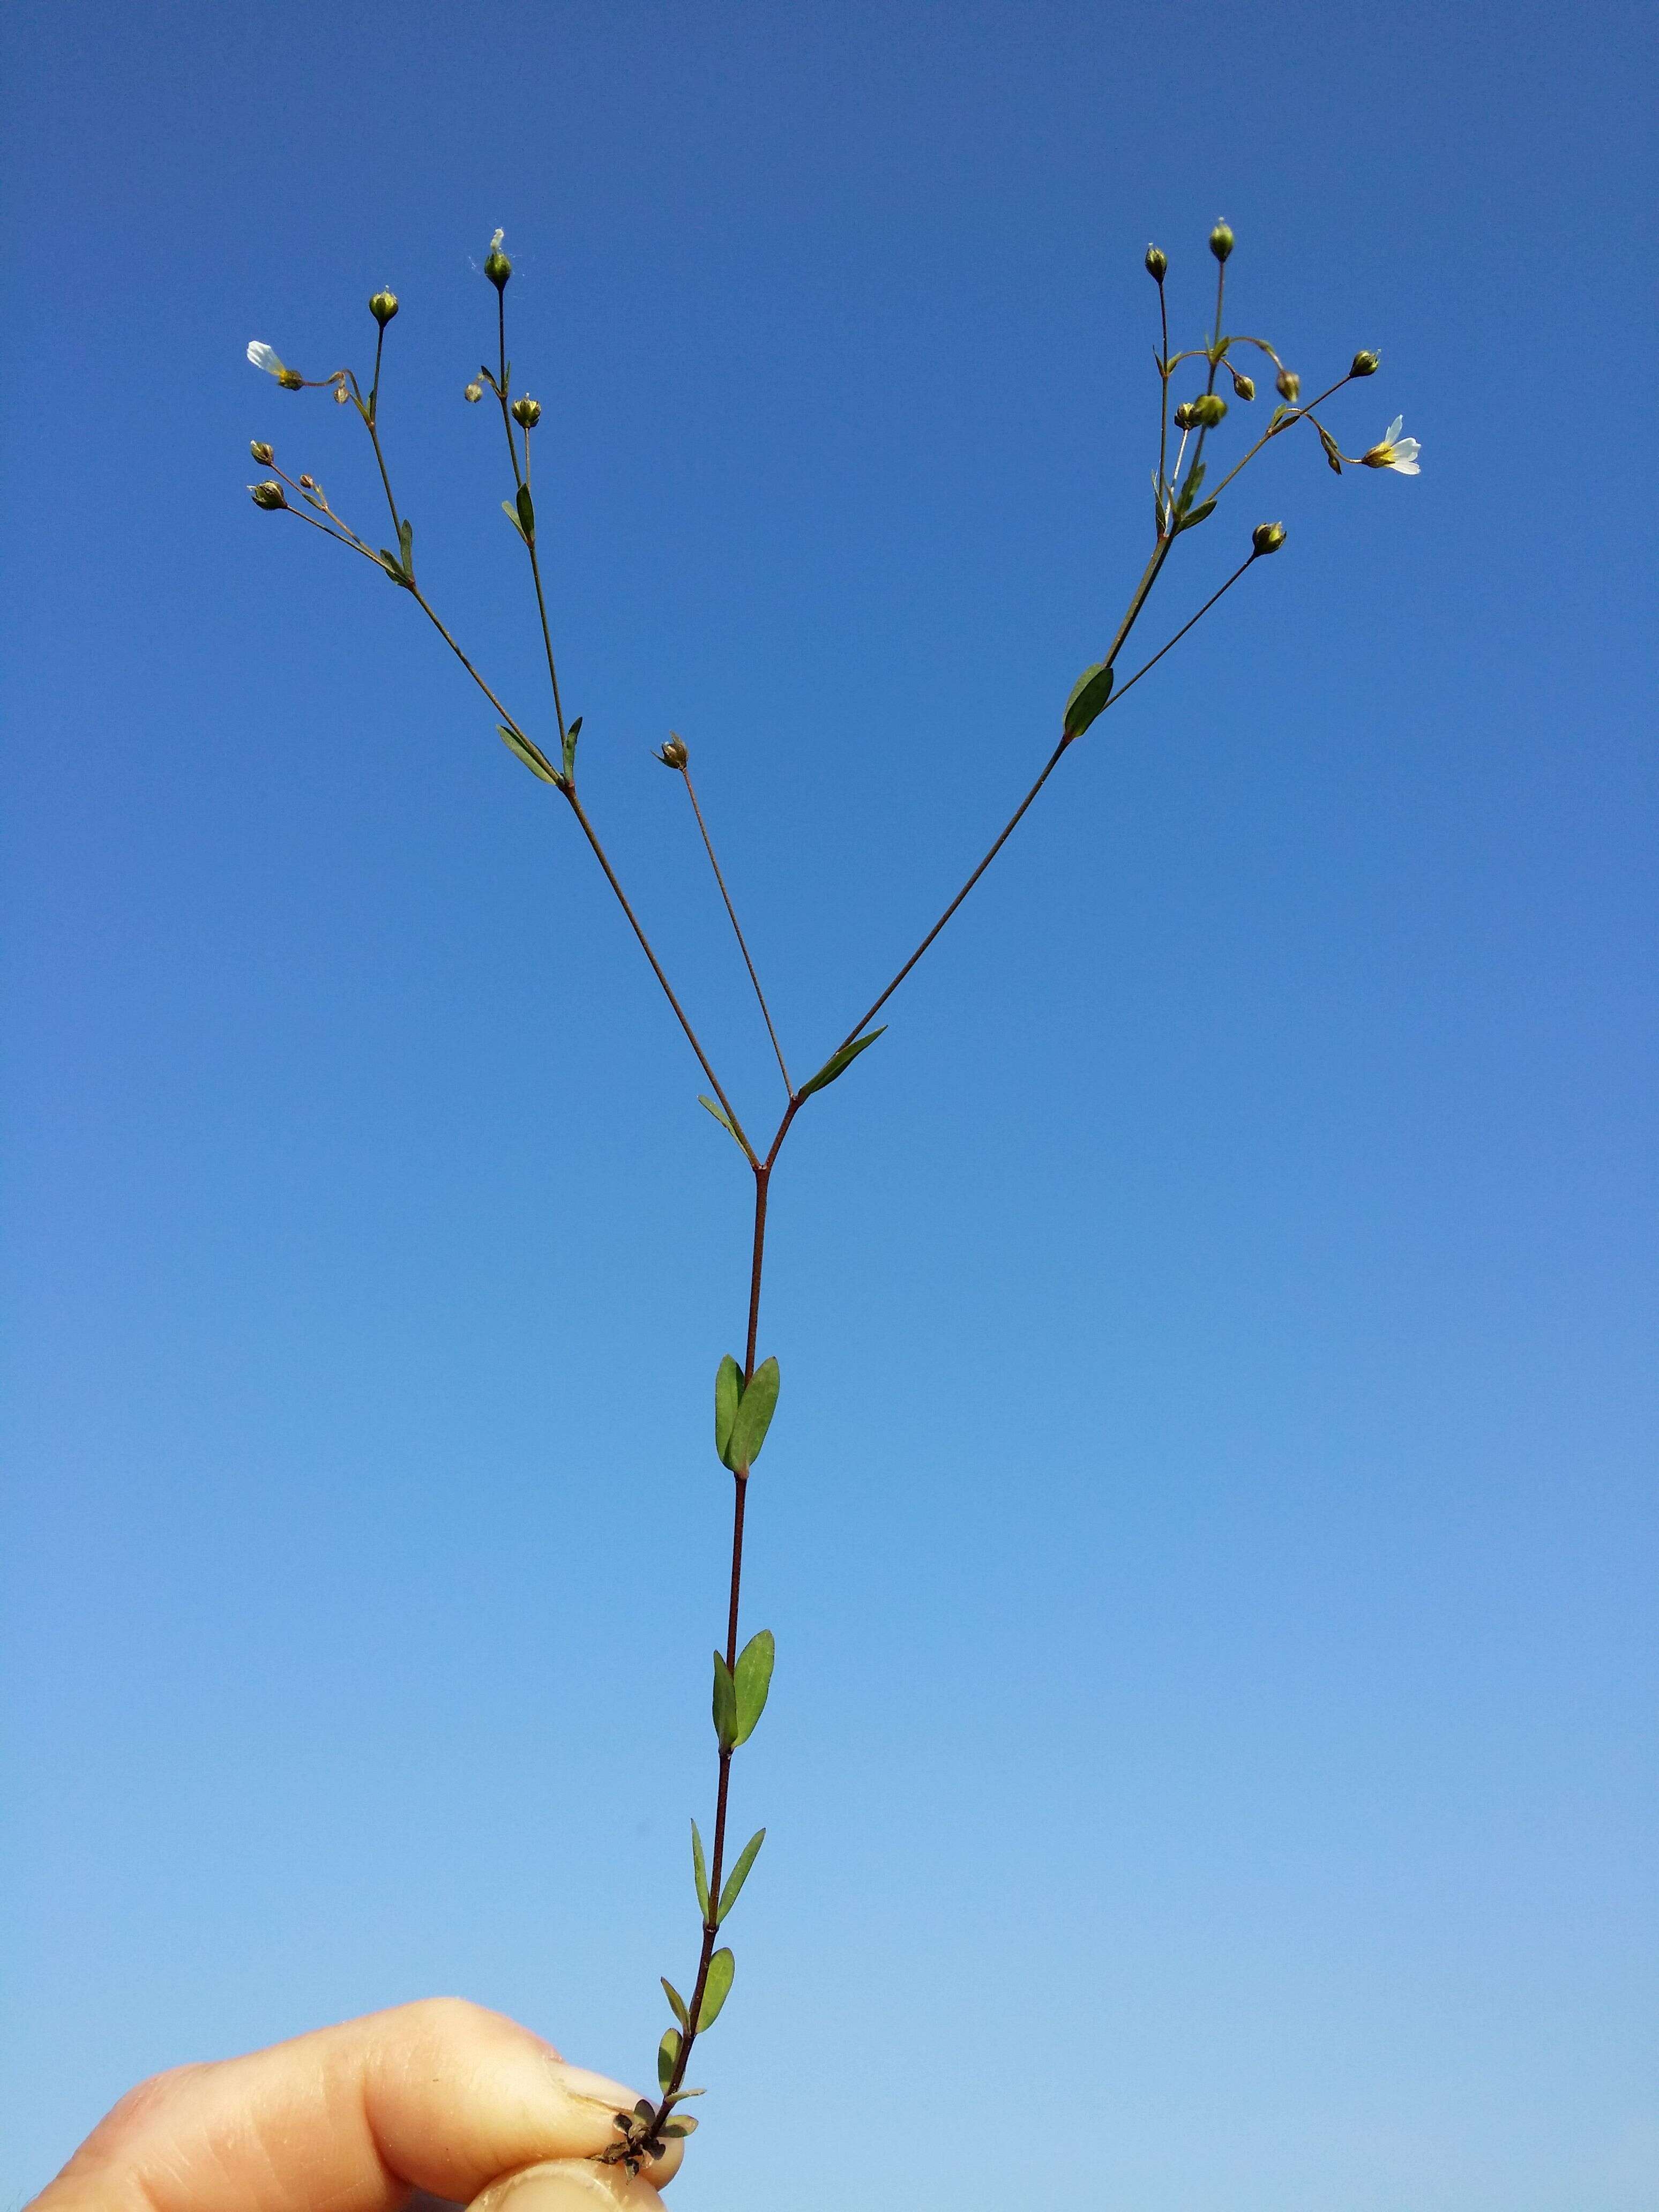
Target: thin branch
[
  {"x": 737, "y": 926},
  {"x": 599, "y": 854}
]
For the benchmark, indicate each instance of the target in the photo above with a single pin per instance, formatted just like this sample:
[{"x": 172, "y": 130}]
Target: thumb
[{"x": 441, "y": 2096}]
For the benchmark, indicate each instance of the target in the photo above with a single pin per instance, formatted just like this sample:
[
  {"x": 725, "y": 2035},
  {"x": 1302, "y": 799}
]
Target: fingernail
[{"x": 567, "y": 2186}]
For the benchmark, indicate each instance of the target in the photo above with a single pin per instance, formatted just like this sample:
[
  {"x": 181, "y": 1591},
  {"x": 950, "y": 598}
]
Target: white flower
[
  {"x": 1394, "y": 452},
  {"x": 496, "y": 242},
  {"x": 265, "y": 357}
]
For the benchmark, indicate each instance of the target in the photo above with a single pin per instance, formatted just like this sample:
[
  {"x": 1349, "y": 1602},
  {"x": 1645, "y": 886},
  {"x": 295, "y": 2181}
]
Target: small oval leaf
[
  {"x": 676, "y": 2001},
  {"x": 1089, "y": 696},
  {"x": 756, "y": 1408},
  {"x": 728, "y": 1376},
  {"x": 683, "y": 2124},
  {"x": 526, "y": 516},
  {"x": 699, "y": 1871},
  {"x": 668, "y": 2052},
  {"x": 739, "y": 1873},
  {"x": 838, "y": 1063},
  {"x": 751, "y": 1678},
  {"x": 511, "y": 514},
  {"x": 716, "y": 1989},
  {"x": 725, "y": 1708},
  {"x": 532, "y": 756}
]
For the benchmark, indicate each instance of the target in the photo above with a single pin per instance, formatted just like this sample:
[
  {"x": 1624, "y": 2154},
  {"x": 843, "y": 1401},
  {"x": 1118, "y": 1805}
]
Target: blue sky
[{"x": 1209, "y": 1523}]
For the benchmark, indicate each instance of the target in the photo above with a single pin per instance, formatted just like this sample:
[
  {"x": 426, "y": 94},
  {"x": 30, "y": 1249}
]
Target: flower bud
[
  {"x": 1209, "y": 410},
  {"x": 1186, "y": 415},
  {"x": 674, "y": 753},
  {"x": 1221, "y": 242},
  {"x": 341, "y": 395},
  {"x": 1267, "y": 536},
  {"x": 1157, "y": 264},
  {"x": 383, "y": 306},
  {"x": 268, "y": 495},
  {"x": 497, "y": 267},
  {"x": 1364, "y": 364},
  {"x": 526, "y": 413},
  {"x": 1288, "y": 385},
  {"x": 263, "y": 453},
  {"x": 1243, "y": 386},
  {"x": 307, "y": 484},
  {"x": 473, "y": 394}
]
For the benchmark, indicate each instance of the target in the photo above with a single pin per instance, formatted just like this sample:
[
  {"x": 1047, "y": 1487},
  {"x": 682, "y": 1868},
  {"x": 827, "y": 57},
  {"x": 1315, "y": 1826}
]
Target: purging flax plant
[{"x": 746, "y": 1388}]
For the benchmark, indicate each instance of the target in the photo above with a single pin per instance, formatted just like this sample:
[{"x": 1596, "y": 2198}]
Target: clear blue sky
[{"x": 1209, "y": 1524}]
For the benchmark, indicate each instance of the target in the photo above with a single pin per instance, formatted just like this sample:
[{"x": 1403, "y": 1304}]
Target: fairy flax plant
[{"x": 747, "y": 1389}]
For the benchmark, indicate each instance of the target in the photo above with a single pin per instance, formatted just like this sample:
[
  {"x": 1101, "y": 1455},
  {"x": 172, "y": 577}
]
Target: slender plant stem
[
  {"x": 737, "y": 926},
  {"x": 1147, "y": 666},
  {"x": 602, "y": 858},
  {"x": 1164, "y": 397}
]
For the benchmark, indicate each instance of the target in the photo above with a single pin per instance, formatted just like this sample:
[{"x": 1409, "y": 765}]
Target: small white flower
[
  {"x": 265, "y": 357},
  {"x": 496, "y": 242},
  {"x": 1394, "y": 452}
]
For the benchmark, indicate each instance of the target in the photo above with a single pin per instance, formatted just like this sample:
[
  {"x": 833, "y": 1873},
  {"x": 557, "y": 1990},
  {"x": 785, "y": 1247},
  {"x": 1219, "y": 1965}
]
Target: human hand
[{"x": 441, "y": 2097}]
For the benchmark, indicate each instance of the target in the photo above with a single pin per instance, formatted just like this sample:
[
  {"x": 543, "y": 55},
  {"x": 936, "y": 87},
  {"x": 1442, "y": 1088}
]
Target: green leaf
[
  {"x": 1089, "y": 696},
  {"x": 1332, "y": 451},
  {"x": 511, "y": 514},
  {"x": 716, "y": 1989},
  {"x": 532, "y": 756},
  {"x": 728, "y": 1376},
  {"x": 683, "y": 2123},
  {"x": 394, "y": 568},
  {"x": 668, "y": 2053},
  {"x": 725, "y": 1703},
  {"x": 700, "y": 1871},
  {"x": 722, "y": 1117},
  {"x": 1188, "y": 491},
  {"x": 680, "y": 2096},
  {"x": 752, "y": 1679},
  {"x": 754, "y": 1410},
  {"x": 1192, "y": 520},
  {"x": 739, "y": 1873},
  {"x": 676, "y": 2001},
  {"x": 406, "y": 544},
  {"x": 527, "y": 507},
  {"x": 838, "y": 1063}
]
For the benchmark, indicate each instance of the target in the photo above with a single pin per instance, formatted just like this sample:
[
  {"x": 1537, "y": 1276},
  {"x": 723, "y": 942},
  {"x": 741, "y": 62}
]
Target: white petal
[
  {"x": 496, "y": 242},
  {"x": 1393, "y": 430},
  {"x": 1408, "y": 449},
  {"x": 1405, "y": 468},
  {"x": 265, "y": 357}
]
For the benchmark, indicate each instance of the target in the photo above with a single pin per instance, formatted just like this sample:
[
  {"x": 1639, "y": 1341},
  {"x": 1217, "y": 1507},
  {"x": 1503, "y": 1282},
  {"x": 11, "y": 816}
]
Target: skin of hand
[{"x": 441, "y": 2097}]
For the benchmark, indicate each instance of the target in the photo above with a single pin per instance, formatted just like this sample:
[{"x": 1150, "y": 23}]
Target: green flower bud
[
  {"x": 1244, "y": 387},
  {"x": 1267, "y": 536},
  {"x": 674, "y": 753},
  {"x": 263, "y": 453},
  {"x": 1209, "y": 410},
  {"x": 1157, "y": 264},
  {"x": 1221, "y": 242},
  {"x": 1186, "y": 415},
  {"x": 268, "y": 495},
  {"x": 383, "y": 307},
  {"x": 497, "y": 267},
  {"x": 1364, "y": 364},
  {"x": 1288, "y": 385},
  {"x": 526, "y": 413},
  {"x": 341, "y": 395},
  {"x": 473, "y": 394}
]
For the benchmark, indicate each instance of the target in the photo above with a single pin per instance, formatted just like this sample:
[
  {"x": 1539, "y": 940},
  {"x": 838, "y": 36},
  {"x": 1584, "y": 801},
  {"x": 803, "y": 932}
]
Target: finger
[
  {"x": 441, "y": 2096},
  {"x": 574, "y": 2185}
]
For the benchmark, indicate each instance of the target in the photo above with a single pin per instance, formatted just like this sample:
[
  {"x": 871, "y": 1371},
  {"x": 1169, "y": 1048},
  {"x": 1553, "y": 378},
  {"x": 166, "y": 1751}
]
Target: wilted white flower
[
  {"x": 496, "y": 242},
  {"x": 1394, "y": 452},
  {"x": 267, "y": 358}
]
